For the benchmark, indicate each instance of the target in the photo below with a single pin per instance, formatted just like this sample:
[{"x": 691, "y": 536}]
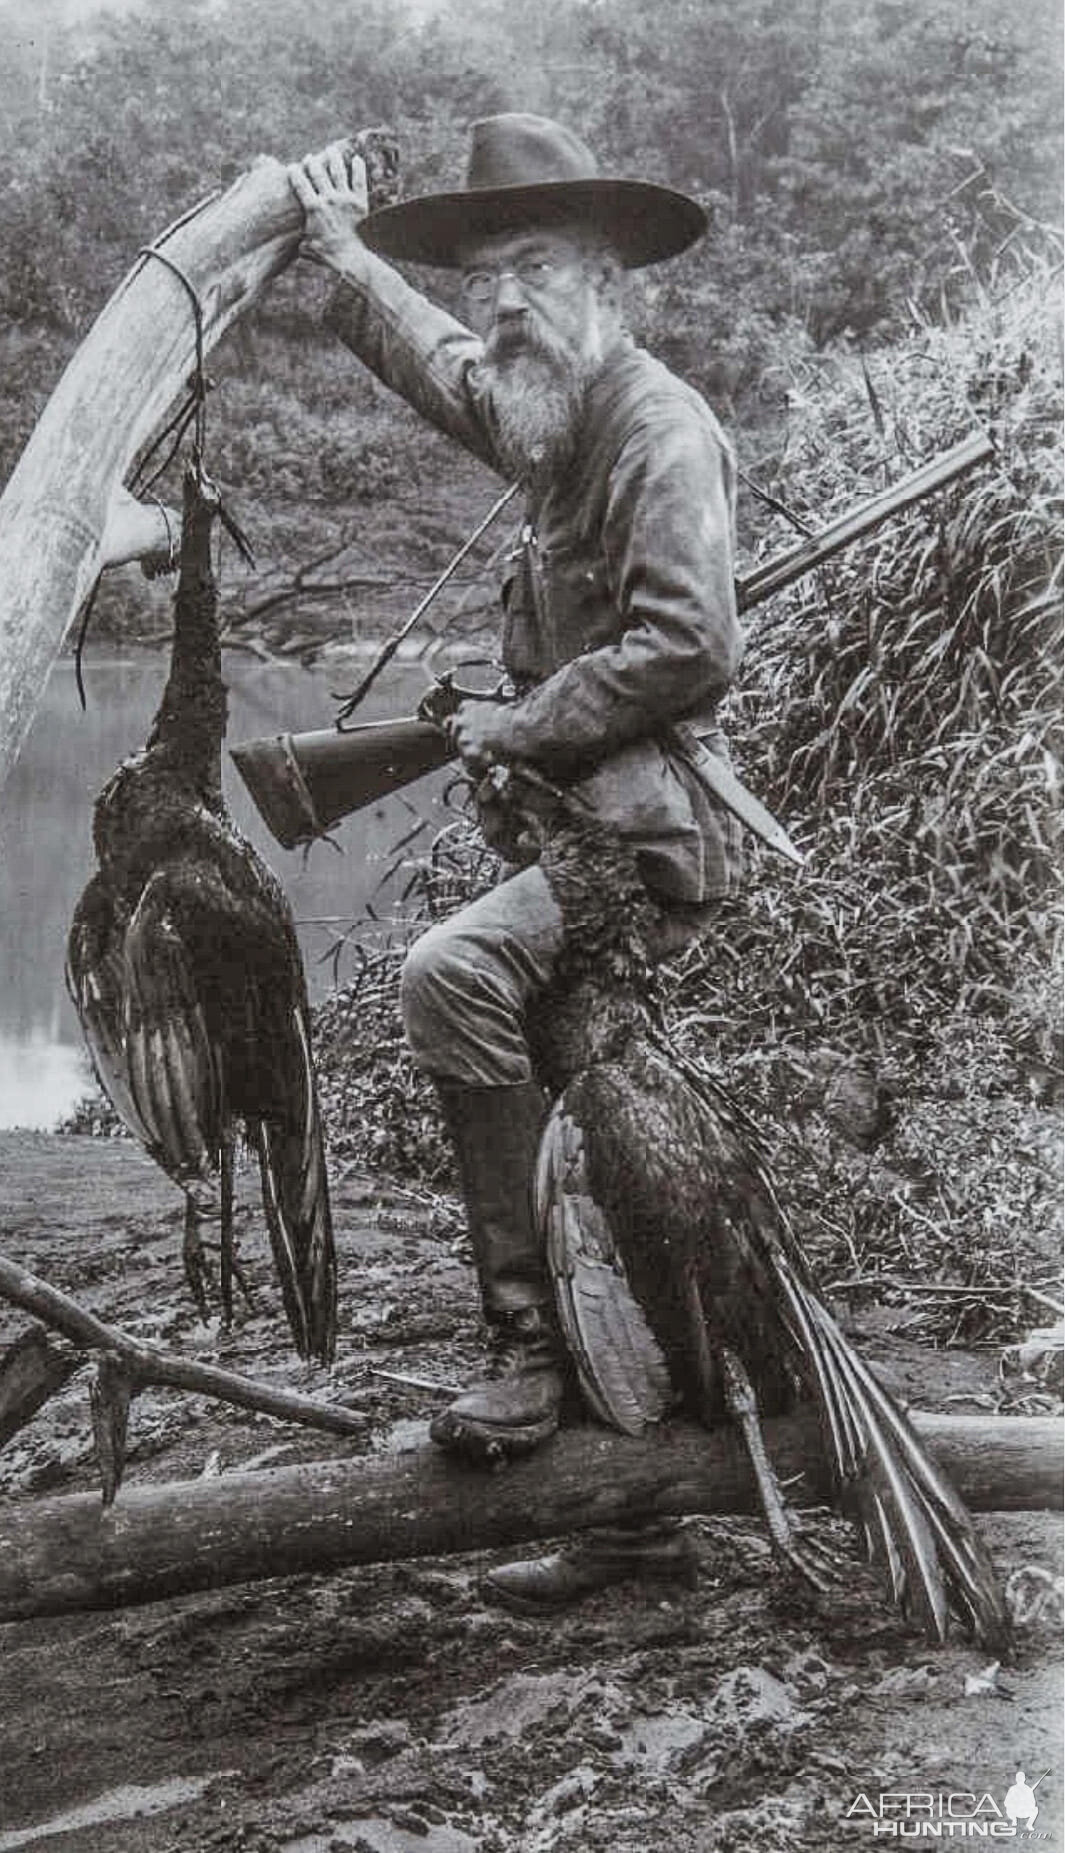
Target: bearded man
[{"x": 619, "y": 621}]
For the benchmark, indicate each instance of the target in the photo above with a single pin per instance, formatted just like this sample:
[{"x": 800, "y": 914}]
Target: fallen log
[
  {"x": 63, "y": 514},
  {"x": 64, "y": 1554}
]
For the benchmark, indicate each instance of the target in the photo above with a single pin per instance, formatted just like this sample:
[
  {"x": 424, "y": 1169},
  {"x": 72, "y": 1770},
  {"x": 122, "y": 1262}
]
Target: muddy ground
[{"x": 390, "y": 1709}]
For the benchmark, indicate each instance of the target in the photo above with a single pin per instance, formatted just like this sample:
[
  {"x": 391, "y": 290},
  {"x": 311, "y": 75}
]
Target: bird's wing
[
  {"x": 622, "y": 1369},
  {"x": 217, "y": 1029},
  {"x": 172, "y": 1059},
  {"x": 734, "y": 1135},
  {"x": 96, "y": 981}
]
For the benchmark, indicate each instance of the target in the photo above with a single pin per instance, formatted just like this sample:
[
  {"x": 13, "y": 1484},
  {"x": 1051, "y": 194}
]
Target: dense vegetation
[
  {"x": 861, "y": 162},
  {"x": 880, "y": 278}
]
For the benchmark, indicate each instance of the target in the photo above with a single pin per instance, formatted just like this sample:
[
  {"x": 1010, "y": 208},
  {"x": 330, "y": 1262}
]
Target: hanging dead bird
[
  {"x": 185, "y": 971},
  {"x": 677, "y": 1275}
]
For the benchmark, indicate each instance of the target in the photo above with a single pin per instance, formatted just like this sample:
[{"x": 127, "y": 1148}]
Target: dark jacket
[{"x": 620, "y": 612}]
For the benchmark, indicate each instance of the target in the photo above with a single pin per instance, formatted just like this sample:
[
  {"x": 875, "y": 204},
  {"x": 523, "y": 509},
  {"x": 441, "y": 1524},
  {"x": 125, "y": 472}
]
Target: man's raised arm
[{"x": 411, "y": 344}]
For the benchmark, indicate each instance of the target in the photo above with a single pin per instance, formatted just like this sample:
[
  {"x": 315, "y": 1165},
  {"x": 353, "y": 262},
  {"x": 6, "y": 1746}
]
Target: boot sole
[{"x": 489, "y": 1447}]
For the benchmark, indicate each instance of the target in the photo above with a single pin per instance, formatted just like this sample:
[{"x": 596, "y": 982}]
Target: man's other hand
[
  {"x": 332, "y": 189},
  {"x": 480, "y": 732}
]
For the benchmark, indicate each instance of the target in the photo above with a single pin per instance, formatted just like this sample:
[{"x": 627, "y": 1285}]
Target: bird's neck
[
  {"x": 190, "y": 724},
  {"x": 579, "y": 1025}
]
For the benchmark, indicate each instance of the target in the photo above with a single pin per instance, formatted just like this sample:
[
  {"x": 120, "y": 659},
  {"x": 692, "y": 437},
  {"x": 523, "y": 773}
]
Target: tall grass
[{"x": 904, "y": 712}]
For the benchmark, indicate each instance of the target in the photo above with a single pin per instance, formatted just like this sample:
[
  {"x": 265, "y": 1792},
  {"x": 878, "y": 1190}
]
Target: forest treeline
[{"x": 861, "y": 159}]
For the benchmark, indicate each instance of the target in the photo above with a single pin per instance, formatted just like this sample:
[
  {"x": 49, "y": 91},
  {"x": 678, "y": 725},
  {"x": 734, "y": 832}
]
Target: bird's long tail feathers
[
  {"x": 298, "y": 1217},
  {"x": 917, "y": 1529}
]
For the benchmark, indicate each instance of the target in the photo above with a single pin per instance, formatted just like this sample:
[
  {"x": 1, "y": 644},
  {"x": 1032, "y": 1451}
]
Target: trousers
[{"x": 468, "y": 981}]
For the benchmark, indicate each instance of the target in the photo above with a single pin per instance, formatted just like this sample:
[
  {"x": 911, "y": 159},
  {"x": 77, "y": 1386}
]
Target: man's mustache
[{"x": 513, "y": 341}]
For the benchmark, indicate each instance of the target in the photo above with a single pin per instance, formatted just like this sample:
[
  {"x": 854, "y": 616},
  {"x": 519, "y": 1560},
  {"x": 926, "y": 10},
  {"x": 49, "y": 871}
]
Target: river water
[{"x": 46, "y": 848}]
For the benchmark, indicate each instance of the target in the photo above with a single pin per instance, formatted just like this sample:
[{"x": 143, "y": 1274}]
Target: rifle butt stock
[{"x": 304, "y": 783}]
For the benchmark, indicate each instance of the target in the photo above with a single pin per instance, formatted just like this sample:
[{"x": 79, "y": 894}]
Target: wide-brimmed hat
[{"x": 528, "y": 171}]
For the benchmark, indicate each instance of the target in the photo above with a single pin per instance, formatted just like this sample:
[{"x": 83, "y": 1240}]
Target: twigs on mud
[
  {"x": 125, "y": 1367},
  {"x": 1007, "y": 1290}
]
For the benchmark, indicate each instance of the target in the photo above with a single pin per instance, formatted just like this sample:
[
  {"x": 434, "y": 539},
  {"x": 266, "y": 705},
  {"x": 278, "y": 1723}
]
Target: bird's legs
[
  {"x": 742, "y": 1405},
  {"x": 203, "y": 1208},
  {"x": 225, "y": 1234},
  {"x": 192, "y": 1253},
  {"x": 804, "y": 1555}
]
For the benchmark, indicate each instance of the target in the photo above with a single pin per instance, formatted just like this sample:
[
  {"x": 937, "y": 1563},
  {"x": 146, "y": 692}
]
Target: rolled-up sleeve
[
  {"x": 667, "y": 545},
  {"x": 417, "y": 349}
]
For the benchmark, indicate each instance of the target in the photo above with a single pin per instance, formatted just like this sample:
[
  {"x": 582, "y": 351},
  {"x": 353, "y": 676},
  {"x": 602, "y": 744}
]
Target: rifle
[{"x": 303, "y": 784}]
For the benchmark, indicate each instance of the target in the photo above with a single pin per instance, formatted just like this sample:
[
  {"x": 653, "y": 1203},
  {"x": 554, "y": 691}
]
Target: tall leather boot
[
  {"x": 648, "y": 1550},
  {"x": 496, "y": 1135}
]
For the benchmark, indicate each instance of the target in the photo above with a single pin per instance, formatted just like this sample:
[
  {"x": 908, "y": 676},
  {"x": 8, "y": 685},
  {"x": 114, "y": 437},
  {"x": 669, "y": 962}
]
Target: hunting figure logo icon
[{"x": 1020, "y": 1804}]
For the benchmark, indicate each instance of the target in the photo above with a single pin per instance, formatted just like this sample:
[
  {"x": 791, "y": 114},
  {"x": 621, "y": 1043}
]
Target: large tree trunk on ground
[
  {"x": 133, "y": 365},
  {"x": 64, "y": 1554}
]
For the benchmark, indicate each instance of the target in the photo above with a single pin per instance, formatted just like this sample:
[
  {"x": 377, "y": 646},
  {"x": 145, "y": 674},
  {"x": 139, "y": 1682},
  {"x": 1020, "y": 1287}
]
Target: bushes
[
  {"x": 902, "y": 715},
  {"x": 381, "y": 1113},
  {"x": 270, "y": 446},
  {"x": 909, "y": 706}
]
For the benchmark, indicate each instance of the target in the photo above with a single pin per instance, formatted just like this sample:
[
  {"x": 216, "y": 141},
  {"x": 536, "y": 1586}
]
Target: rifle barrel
[{"x": 754, "y": 587}]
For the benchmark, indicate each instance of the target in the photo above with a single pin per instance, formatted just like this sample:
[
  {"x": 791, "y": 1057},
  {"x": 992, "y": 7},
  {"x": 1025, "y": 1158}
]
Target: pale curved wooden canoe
[{"x": 131, "y": 368}]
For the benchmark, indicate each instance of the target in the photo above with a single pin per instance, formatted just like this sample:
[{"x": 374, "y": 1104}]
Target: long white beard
[{"x": 536, "y": 396}]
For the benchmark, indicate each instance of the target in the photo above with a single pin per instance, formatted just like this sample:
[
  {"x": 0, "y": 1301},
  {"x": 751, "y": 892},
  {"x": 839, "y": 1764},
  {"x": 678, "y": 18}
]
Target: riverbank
[{"x": 389, "y": 1708}]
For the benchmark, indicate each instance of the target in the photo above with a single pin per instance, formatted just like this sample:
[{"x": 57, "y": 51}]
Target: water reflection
[
  {"x": 46, "y": 852},
  {"x": 39, "y": 1080}
]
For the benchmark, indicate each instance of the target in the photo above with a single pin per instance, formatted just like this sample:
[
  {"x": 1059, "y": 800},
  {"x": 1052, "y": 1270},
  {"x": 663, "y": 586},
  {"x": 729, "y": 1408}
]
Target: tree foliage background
[{"x": 859, "y": 157}]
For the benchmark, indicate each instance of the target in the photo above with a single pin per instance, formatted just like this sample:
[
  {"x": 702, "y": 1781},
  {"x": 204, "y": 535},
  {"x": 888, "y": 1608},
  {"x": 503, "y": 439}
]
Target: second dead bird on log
[
  {"x": 678, "y": 1277},
  {"x": 185, "y": 970}
]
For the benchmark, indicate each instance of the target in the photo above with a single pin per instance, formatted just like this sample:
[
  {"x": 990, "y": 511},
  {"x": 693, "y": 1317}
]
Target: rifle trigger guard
[{"x": 440, "y": 702}]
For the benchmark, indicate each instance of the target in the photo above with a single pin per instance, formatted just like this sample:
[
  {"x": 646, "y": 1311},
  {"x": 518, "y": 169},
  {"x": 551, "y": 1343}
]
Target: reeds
[
  {"x": 381, "y": 1114},
  {"x": 904, "y": 712}
]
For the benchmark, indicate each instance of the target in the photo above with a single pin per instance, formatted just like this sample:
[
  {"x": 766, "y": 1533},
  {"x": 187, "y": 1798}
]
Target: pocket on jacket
[
  {"x": 580, "y": 611},
  {"x": 526, "y": 652}
]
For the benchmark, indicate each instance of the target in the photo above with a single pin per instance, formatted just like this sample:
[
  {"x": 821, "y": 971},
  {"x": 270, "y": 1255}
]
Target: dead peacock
[
  {"x": 184, "y": 968},
  {"x": 677, "y": 1275}
]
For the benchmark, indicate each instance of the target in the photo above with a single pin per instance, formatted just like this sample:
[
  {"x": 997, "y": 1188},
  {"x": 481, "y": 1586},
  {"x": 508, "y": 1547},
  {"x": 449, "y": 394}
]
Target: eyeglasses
[{"x": 532, "y": 273}]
